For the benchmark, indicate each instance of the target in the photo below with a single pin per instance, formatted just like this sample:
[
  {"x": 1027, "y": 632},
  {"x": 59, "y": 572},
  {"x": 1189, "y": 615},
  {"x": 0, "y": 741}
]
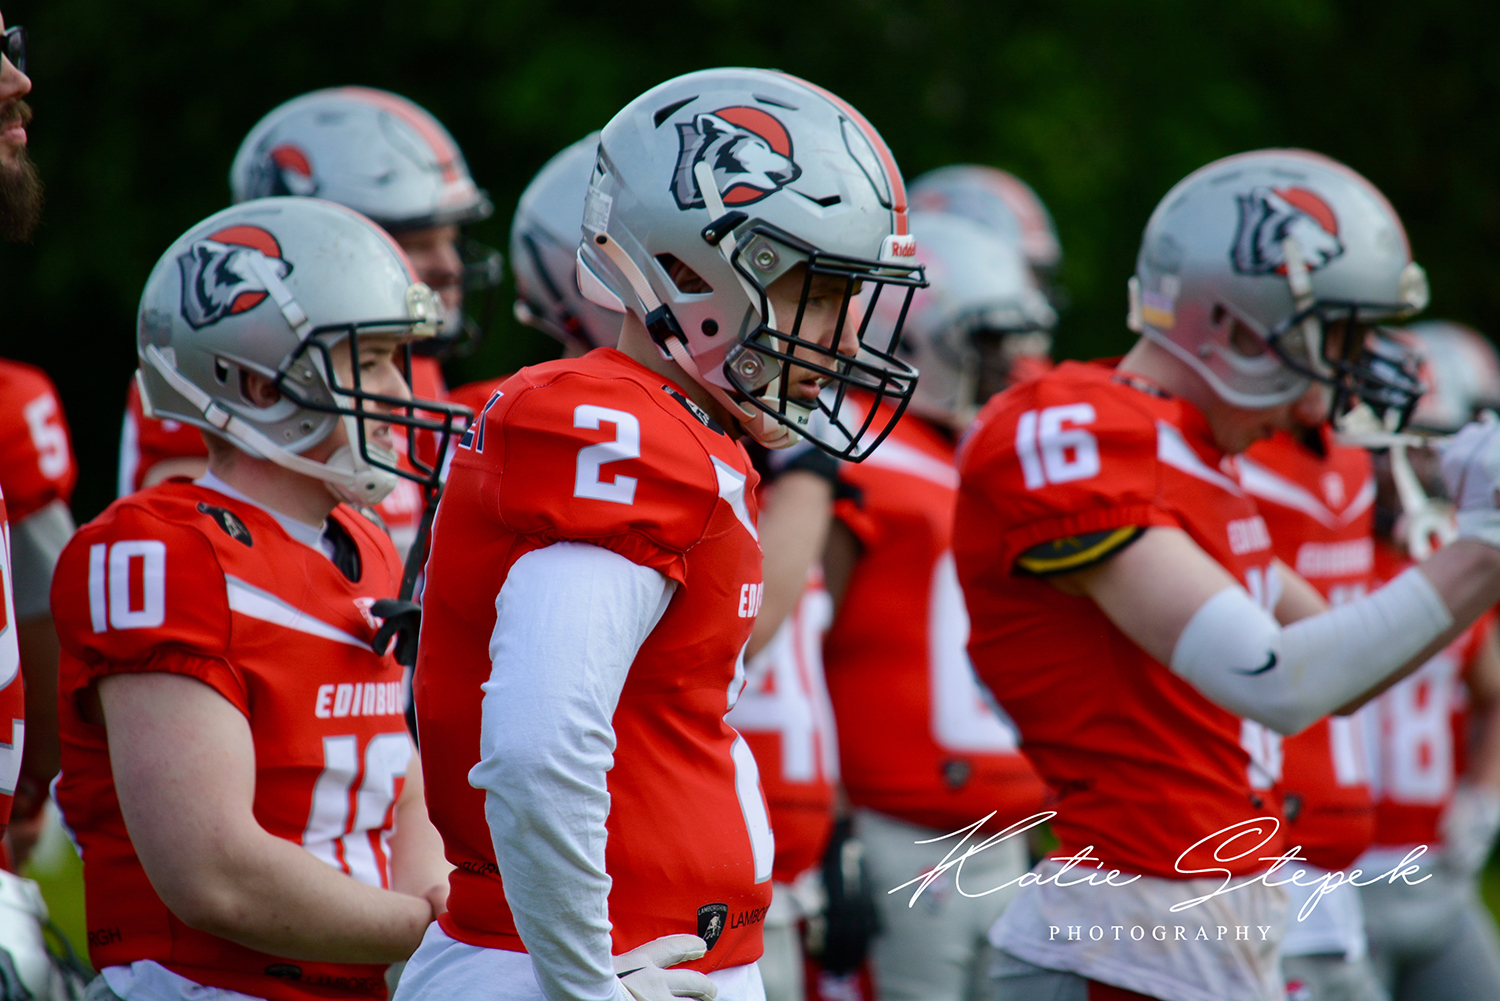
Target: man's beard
[{"x": 20, "y": 184}]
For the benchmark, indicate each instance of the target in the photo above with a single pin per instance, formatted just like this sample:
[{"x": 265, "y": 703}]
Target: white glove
[
  {"x": 1471, "y": 472},
  {"x": 1468, "y": 827},
  {"x": 644, "y": 973}
]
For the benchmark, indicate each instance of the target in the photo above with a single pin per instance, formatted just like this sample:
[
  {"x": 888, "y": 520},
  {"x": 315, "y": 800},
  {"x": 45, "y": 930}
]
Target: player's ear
[{"x": 257, "y": 389}]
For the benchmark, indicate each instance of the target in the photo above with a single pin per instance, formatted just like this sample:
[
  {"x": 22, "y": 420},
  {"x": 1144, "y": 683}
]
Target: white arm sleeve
[
  {"x": 568, "y": 623},
  {"x": 1288, "y": 677}
]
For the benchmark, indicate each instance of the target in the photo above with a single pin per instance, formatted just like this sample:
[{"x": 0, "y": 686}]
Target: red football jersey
[
  {"x": 1415, "y": 735},
  {"x": 182, "y": 579},
  {"x": 1143, "y": 766},
  {"x": 1321, "y": 512},
  {"x": 602, "y": 450},
  {"x": 145, "y": 441},
  {"x": 917, "y": 740},
  {"x": 12, "y": 689},
  {"x": 785, "y": 717},
  {"x": 36, "y": 453}
]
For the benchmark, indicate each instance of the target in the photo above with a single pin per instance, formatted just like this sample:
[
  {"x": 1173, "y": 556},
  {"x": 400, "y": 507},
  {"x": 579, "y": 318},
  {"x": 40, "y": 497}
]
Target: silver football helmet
[
  {"x": 269, "y": 287},
  {"x": 1289, "y": 244},
  {"x": 745, "y": 176},
  {"x": 998, "y": 200},
  {"x": 1461, "y": 370},
  {"x": 544, "y": 235},
  {"x": 981, "y": 308},
  {"x": 380, "y": 155}
]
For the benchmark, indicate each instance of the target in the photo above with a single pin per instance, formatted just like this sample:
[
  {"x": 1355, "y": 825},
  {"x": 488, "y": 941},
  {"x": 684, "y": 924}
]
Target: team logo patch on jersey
[
  {"x": 1269, "y": 216},
  {"x": 711, "y": 918},
  {"x": 695, "y": 410},
  {"x": 229, "y": 522},
  {"x": 225, "y": 273},
  {"x": 749, "y": 150}
]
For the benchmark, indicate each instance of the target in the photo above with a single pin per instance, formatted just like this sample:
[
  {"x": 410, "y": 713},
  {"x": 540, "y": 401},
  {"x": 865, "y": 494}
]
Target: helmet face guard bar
[
  {"x": 761, "y": 367},
  {"x": 1368, "y": 367},
  {"x": 438, "y": 421}
]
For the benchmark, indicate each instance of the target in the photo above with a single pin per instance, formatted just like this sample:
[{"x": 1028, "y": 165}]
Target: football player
[
  {"x": 595, "y": 567},
  {"x": 1126, "y": 605},
  {"x": 1317, "y": 497},
  {"x": 37, "y": 474},
  {"x": 1001, "y": 202},
  {"x": 544, "y": 235},
  {"x": 1433, "y": 739},
  {"x": 921, "y": 752},
  {"x": 384, "y": 156},
  {"x": 236, "y": 765},
  {"x": 36, "y": 479}
]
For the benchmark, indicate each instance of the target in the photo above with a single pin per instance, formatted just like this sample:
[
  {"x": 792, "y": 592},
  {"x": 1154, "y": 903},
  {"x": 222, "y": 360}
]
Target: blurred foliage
[{"x": 1100, "y": 105}]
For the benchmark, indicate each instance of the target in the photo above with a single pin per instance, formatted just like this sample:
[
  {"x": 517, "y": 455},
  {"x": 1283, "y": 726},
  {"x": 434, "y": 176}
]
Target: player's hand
[
  {"x": 401, "y": 621},
  {"x": 1468, "y": 827},
  {"x": 1471, "y": 472},
  {"x": 644, "y": 973}
]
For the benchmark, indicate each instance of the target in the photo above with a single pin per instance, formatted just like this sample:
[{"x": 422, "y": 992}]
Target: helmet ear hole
[
  {"x": 1245, "y": 341},
  {"x": 688, "y": 281},
  {"x": 221, "y": 371},
  {"x": 1218, "y": 315}
]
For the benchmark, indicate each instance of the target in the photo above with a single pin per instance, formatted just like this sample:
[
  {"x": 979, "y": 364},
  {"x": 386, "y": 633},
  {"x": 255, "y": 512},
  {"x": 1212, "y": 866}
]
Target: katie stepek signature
[{"x": 1229, "y": 845}]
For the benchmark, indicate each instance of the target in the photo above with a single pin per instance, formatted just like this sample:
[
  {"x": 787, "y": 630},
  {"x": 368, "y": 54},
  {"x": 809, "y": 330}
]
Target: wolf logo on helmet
[
  {"x": 285, "y": 169},
  {"x": 224, "y": 274},
  {"x": 749, "y": 150},
  {"x": 1269, "y": 216}
]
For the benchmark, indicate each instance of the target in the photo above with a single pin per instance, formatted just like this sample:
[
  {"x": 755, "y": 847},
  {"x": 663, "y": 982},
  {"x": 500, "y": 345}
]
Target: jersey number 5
[
  {"x": 47, "y": 435},
  {"x": 627, "y": 445},
  {"x": 1054, "y": 448}
]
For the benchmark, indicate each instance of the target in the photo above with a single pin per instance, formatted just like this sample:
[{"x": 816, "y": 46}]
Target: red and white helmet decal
[
  {"x": 894, "y": 186},
  {"x": 749, "y": 150},
  {"x": 1270, "y": 216},
  {"x": 290, "y": 172},
  {"x": 220, "y": 276},
  {"x": 439, "y": 148}
]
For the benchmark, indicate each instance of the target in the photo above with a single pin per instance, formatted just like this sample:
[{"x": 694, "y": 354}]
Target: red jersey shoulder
[
  {"x": 475, "y": 395},
  {"x": 598, "y": 448},
  {"x": 36, "y": 452},
  {"x": 1072, "y": 455},
  {"x": 145, "y": 574}
]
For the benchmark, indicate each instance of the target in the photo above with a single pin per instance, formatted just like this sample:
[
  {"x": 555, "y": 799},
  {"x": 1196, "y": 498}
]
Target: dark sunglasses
[{"x": 13, "y": 46}]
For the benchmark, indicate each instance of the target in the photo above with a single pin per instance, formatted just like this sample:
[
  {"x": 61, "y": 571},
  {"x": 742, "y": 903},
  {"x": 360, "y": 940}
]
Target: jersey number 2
[{"x": 627, "y": 445}]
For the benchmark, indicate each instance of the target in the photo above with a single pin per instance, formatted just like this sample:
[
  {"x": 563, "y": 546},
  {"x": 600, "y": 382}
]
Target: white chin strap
[
  {"x": 1299, "y": 279},
  {"x": 346, "y": 473},
  {"x": 757, "y": 423},
  {"x": 1426, "y": 523}
]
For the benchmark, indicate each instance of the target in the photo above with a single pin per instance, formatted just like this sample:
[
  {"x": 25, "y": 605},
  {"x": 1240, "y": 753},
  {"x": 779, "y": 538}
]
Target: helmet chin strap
[
  {"x": 1426, "y": 521},
  {"x": 341, "y": 472},
  {"x": 1299, "y": 279},
  {"x": 759, "y": 425}
]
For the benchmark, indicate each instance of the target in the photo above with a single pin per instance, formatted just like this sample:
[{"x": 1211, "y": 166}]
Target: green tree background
[{"x": 1100, "y": 105}]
